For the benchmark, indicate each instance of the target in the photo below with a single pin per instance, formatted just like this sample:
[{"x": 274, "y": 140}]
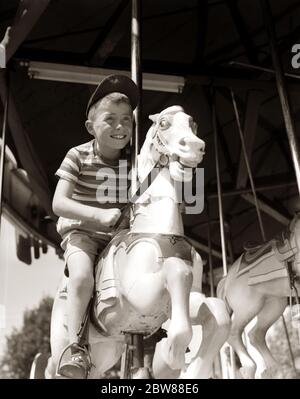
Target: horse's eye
[{"x": 164, "y": 124}]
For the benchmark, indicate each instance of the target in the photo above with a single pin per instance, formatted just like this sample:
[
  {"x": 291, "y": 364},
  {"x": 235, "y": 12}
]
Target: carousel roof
[{"x": 208, "y": 49}]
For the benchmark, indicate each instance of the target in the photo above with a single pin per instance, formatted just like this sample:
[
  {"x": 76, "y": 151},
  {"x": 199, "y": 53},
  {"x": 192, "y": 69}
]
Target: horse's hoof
[
  {"x": 161, "y": 367},
  {"x": 268, "y": 373},
  {"x": 173, "y": 352},
  {"x": 247, "y": 373},
  {"x": 142, "y": 373}
]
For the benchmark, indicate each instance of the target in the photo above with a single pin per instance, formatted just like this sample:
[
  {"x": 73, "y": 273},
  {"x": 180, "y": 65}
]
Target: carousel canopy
[{"x": 194, "y": 53}]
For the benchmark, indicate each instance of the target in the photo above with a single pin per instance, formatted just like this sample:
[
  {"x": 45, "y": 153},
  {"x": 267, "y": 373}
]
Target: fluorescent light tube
[{"x": 93, "y": 76}]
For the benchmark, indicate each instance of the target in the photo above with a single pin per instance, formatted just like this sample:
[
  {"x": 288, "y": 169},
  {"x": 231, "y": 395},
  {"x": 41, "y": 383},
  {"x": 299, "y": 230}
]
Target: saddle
[
  {"x": 254, "y": 251},
  {"x": 283, "y": 248}
]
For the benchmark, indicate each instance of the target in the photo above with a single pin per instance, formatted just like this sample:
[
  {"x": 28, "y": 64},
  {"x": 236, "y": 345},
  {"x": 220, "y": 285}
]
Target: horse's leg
[
  {"x": 170, "y": 352},
  {"x": 212, "y": 315},
  {"x": 243, "y": 314},
  {"x": 104, "y": 356},
  {"x": 271, "y": 311}
]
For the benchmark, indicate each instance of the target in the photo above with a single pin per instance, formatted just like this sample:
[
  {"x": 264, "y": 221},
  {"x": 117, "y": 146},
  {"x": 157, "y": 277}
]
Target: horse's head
[{"x": 172, "y": 141}]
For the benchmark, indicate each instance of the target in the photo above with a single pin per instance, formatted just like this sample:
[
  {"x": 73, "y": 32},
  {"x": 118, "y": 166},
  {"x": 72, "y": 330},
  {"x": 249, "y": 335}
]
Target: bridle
[
  {"x": 163, "y": 161},
  {"x": 165, "y": 154}
]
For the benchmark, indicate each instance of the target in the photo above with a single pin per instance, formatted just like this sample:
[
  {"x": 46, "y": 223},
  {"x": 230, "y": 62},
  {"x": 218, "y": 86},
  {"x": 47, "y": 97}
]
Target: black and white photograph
[{"x": 149, "y": 193}]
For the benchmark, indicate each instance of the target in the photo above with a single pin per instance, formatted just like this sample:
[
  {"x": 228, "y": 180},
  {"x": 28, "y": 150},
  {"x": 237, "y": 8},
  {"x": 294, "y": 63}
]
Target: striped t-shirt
[{"x": 97, "y": 184}]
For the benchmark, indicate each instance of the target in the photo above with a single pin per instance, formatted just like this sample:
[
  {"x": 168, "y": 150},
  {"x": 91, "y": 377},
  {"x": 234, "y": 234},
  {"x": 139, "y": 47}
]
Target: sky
[{"x": 22, "y": 286}]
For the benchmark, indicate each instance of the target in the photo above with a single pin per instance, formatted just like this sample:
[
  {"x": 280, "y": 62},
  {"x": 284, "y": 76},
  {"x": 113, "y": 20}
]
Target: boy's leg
[{"x": 80, "y": 290}]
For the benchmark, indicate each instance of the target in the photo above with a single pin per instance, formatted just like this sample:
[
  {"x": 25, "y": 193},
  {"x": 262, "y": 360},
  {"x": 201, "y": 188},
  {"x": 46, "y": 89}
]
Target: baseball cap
[{"x": 115, "y": 83}]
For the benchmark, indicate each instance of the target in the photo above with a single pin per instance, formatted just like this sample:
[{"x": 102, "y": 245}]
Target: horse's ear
[{"x": 153, "y": 117}]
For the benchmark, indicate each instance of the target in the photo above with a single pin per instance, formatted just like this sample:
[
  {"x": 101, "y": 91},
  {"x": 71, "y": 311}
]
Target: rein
[
  {"x": 143, "y": 186},
  {"x": 164, "y": 159}
]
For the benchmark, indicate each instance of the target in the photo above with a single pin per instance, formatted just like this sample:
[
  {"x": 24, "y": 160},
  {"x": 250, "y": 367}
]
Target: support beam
[
  {"x": 201, "y": 247},
  {"x": 244, "y": 35},
  {"x": 111, "y": 34},
  {"x": 218, "y": 54},
  {"x": 250, "y": 127},
  {"x": 266, "y": 187},
  {"x": 282, "y": 89},
  {"x": 202, "y": 19},
  {"x": 225, "y": 150},
  {"x": 238, "y": 83},
  {"x": 267, "y": 209},
  {"x": 266, "y": 125},
  {"x": 27, "y": 15}
]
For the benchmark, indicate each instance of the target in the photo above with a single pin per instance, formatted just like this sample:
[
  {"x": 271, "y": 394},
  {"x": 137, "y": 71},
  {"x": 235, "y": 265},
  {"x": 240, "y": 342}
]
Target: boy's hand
[{"x": 108, "y": 217}]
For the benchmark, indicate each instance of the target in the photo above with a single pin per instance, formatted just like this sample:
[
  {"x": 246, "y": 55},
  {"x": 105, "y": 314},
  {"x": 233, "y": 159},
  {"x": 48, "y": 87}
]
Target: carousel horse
[
  {"x": 150, "y": 273},
  {"x": 257, "y": 285}
]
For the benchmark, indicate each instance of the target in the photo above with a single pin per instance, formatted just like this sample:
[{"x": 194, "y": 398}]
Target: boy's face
[{"x": 111, "y": 125}]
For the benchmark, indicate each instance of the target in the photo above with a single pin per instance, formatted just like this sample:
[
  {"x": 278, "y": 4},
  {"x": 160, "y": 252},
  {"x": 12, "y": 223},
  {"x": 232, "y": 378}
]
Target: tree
[
  {"x": 25, "y": 343},
  {"x": 278, "y": 345}
]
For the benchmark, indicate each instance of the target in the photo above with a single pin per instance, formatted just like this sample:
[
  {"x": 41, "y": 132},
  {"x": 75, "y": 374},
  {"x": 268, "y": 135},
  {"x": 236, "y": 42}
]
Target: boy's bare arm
[{"x": 63, "y": 205}]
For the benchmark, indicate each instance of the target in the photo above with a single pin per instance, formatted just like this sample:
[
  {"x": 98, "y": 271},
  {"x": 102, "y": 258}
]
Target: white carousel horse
[
  {"x": 258, "y": 284},
  {"x": 146, "y": 274}
]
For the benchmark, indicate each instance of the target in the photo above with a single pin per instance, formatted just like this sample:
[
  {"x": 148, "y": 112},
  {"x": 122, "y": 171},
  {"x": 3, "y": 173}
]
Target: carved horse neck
[
  {"x": 158, "y": 211},
  {"x": 171, "y": 142}
]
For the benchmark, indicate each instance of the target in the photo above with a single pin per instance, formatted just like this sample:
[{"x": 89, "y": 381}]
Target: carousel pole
[
  {"x": 211, "y": 278},
  {"x": 282, "y": 90},
  {"x": 3, "y": 147},
  {"x": 227, "y": 354},
  {"x": 258, "y": 211},
  {"x": 2, "y": 170},
  {"x": 211, "y": 271},
  {"x": 136, "y": 76},
  {"x": 219, "y": 189}
]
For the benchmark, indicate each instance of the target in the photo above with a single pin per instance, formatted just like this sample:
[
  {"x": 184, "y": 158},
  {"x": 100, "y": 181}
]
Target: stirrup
[{"x": 80, "y": 349}]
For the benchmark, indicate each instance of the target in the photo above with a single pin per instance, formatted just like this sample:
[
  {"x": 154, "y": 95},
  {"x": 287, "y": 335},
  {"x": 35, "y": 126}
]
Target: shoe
[{"x": 79, "y": 365}]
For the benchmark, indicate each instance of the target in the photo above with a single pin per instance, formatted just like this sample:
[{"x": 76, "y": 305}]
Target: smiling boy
[{"x": 86, "y": 219}]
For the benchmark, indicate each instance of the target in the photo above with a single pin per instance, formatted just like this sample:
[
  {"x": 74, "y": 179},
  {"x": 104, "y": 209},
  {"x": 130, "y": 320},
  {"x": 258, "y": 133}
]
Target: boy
[{"x": 85, "y": 219}]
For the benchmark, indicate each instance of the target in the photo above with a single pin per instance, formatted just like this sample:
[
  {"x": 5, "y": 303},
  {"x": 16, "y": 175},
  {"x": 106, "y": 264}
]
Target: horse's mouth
[
  {"x": 187, "y": 162},
  {"x": 184, "y": 163}
]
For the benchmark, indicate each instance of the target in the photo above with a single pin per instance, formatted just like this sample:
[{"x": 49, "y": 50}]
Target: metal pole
[
  {"x": 136, "y": 75},
  {"x": 3, "y": 146},
  {"x": 248, "y": 165},
  {"x": 259, "y": 68},
  {"x": 281, "y": 87},
  {"x": 216, "y": 365},
  {"x": 138, "y": 351},
  {"x": 228, "y": 368},
  {"x": 289, "y": 345},
  {"x": 214, "y": 117},
  {"x": 209, "y": 244}
]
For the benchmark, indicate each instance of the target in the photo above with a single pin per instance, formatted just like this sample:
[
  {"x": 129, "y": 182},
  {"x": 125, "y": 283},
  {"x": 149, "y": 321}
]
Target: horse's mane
[{"x": 145, "y": 159}]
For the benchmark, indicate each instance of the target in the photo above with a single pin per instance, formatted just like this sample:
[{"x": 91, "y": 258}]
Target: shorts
[{"x": 79, "y": 241}]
